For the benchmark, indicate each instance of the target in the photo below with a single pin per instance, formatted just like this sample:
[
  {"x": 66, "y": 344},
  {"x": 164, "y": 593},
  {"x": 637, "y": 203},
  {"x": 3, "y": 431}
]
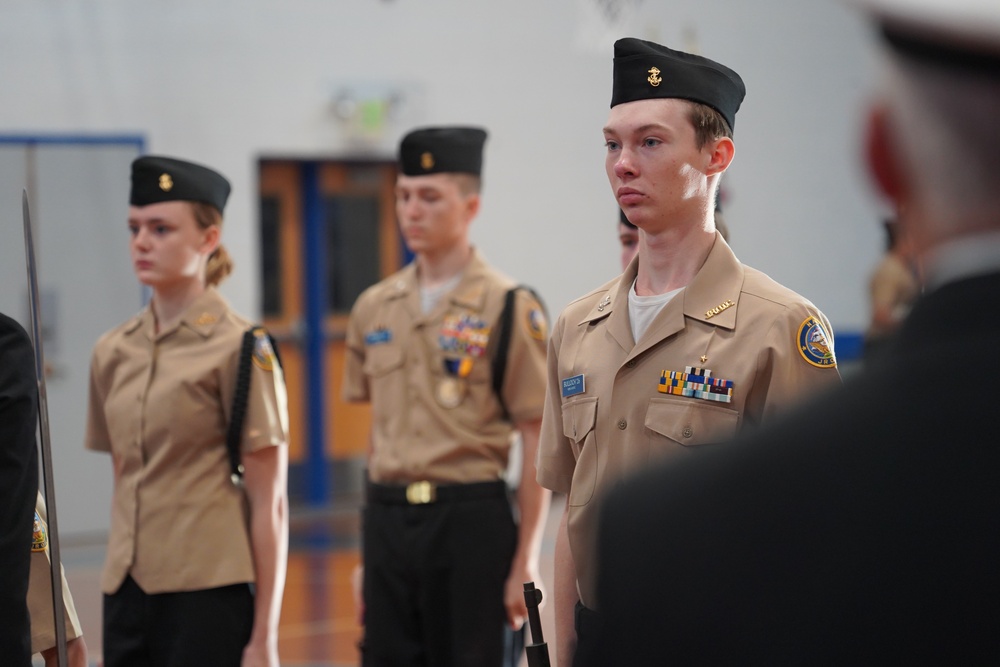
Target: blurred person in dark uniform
[
  {"x": 688, "y": 346},
  {"x": 628, "y": 238},
  {"x": 27, "y": 588},
  {"x": 862, "y": 529},
  {"x": 444, "y": 559},
  {"x": 19, "y": 484},
  {"x": 195, "y": 565}
]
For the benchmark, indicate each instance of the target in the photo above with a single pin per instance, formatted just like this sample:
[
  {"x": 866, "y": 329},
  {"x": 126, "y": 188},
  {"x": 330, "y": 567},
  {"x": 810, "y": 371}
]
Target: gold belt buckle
[{"x": 421, "y": 493}]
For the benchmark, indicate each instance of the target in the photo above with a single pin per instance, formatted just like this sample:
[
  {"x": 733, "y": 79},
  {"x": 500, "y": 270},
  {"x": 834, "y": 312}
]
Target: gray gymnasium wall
[{"x": 78, "y": 210}]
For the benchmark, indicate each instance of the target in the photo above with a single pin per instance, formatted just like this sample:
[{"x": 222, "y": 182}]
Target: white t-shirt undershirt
[
  {"x": 429, "y": 298},
  {"x": 642, "y": 310}
]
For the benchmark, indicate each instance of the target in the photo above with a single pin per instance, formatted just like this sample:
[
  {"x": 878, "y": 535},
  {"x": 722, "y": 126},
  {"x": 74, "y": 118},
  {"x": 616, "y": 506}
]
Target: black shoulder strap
[
  {"x": 505, "y": 325},
  {"x": 240, "y": 397}
]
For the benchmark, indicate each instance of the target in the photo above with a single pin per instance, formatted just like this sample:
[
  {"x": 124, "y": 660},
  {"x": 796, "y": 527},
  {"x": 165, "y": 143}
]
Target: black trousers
[
  {"x": 434, "y": 582},
  {"x": 209, "y": 627}
]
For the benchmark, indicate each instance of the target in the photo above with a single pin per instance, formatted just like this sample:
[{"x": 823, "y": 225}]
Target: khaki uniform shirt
[
  {"x": 605, "y": 413},
  {"x": 43, "y": 622},
  {"x": 161, "y": 403},
  {"x": 428, "y": 377}
]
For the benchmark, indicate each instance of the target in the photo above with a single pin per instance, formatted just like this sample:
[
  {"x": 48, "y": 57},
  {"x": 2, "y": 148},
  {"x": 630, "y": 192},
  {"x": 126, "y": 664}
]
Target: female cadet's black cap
[
  {"x": 157, "y": 179},
  {"x": 435, "y": 150},
  {"x": 645, "y": 70}
]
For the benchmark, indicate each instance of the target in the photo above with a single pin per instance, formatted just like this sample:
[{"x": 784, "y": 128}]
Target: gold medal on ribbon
[{"x": 449, "y": 392}]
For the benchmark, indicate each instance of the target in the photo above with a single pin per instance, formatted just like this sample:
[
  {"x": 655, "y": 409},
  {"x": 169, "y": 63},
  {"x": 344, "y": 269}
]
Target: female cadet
[{"x": 195, "y": 566}]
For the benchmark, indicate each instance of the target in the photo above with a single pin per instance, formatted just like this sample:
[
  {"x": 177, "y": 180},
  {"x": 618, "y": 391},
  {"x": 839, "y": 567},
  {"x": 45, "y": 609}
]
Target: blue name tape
[
  {"x": 573, "y": 386},
  {"x": 376, "y": 337}
]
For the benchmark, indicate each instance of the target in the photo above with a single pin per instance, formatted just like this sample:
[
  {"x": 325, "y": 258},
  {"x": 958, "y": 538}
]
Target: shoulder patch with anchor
[
  {"x": 263, "y": 352},
  {"x": 814, "y": 344}
]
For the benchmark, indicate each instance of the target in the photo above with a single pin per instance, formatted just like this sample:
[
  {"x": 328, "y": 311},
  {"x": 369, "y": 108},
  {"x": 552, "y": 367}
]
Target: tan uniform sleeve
[
  {"x": 355, "y": 386},
  {"x": 266, "y": 421},
  {"x": 43, "y": 629},
  {"x": 523, "y": 388},
  {"x": 556, "y": 459},
  {"x": 787, "y": 376},
  {"x": 97, "y": 436}
]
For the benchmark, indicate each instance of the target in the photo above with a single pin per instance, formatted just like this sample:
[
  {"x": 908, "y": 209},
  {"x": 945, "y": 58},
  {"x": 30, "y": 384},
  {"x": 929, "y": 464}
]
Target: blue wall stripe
[
  {"x": 314, "y": 284},
  {"x": 76, "y": 139}
]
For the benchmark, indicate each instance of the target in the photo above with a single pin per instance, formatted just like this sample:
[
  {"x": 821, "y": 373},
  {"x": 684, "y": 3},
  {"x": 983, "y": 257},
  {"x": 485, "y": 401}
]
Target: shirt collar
[
  {"x": 201, "y": 316},
  {"x": 964, "y": 257},
  {"x": 712, "y": 296},
  {"x": 470, "y": 293}
]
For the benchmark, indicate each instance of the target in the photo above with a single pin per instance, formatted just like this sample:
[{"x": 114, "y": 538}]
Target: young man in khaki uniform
[
  {"x": 861, "y": 529},
  {"x": 688, "y": 346},
  {"x": 444, "y": 560}
]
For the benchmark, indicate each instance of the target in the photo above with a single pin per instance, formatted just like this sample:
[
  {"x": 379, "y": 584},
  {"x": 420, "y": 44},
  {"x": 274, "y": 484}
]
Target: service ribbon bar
[{"x": 696, "y": 383}]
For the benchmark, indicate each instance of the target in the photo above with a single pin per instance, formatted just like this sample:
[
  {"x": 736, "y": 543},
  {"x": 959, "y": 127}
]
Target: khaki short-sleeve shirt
[
  {"x": 730, "y": 350},
  {"x": 435, "y": 415},
  {"x": 160, "y": 404},
  {"x": 43, "y": 622}
]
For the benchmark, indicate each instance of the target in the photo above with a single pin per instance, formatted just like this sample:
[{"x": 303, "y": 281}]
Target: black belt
[{"x": 425, "y": 493}]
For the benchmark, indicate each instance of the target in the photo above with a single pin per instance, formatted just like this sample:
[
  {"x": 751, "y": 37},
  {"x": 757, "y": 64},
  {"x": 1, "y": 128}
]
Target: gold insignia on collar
[
  {"x": 166, "y": 183},
  {"x": 604, "y": 304},
  {"x": 427, "y": 161},
  {"x": 709, "y": 314},
  {"x": 704, "y": 358},
  {"x": 205, "y": 319},
  {"x": 654, "y": 77}
]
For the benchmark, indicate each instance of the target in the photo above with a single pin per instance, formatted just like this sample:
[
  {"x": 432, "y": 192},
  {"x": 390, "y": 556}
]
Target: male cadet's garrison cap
[
  {"x": 435, "y": 150},
  {"x": 960, "y": 34},
  {"x": 158, "y": 179},
  {"x": 645, "y": 70},
  {"x": 622, "y": 218}
]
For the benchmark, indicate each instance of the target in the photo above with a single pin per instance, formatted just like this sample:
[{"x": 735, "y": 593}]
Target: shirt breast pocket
[
  {"x": 690, "y": 423},
  {"x": 579, "y": 420},
  {"x": 382, "y": 363}
]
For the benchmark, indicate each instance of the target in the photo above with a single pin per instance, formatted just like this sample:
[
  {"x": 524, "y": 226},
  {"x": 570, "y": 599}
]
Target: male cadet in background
[
  {"x": 628, "y": 234},
  {"x": 688, "y": 346},
  {"x": 628, "y": 237},
  {"x": 862, "y": 529},
  {"x": 444, "y": 560}
]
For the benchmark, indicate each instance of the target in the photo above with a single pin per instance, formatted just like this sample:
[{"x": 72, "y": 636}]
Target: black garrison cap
[
  {"x": 645, "y": 70},
  {"x": 157, "y": 179},
  {"x": 435, "y": 150}
]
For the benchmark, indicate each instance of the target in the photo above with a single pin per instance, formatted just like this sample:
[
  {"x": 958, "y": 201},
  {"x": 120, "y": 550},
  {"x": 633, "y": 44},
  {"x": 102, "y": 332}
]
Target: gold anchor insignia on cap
[
  {"x": 166, "y": 183},
  {"x": 604, "y": 303},
  {"x": 427, "y": 160},
  {"x": 654, "y": 76}
]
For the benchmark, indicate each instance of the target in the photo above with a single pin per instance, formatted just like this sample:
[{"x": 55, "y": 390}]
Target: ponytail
[{"x": 220, "y": 264}]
